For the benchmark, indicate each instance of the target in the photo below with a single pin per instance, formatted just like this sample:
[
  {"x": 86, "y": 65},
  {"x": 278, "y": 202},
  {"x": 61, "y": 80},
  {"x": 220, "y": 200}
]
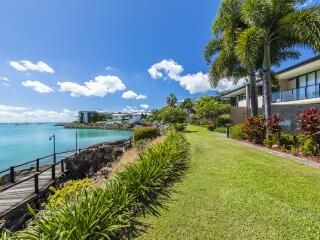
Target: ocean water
[{"x": 25, "y": 142}]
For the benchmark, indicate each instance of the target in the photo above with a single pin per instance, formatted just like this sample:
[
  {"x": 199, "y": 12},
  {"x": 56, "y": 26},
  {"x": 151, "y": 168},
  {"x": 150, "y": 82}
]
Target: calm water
[{"x": 22, "y": 143}]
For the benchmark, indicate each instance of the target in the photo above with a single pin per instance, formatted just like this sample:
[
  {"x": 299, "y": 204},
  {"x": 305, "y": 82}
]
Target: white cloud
[
  {"x": 144, "y": 106},
  {"x": 140, "y": 96},
  {"x": 4, "y": 79},
  {"x": 15, "y": 114},
  {"x": 99, "y": 87},
  {"x": 194, "y": 83},
  {"x": 25, "y": 65},
  {"x": 37, "y": 86},
  {"x": 130, "y": 109},
  {"x": 110, "y": 68},
  {"x": 132, "y": 95}
]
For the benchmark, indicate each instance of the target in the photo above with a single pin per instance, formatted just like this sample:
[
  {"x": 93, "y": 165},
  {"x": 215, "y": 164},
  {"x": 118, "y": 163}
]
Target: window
[
  {"x": 302, "y": 81},
  {"x": 311, "y": 79},
  {"x": 318, "y": 77}
]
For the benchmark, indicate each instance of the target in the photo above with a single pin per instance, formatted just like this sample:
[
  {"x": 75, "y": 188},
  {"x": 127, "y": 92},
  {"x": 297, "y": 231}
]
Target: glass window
[
  {"x": 311, "y": 79},
  {"x": 318, "y": 77},
  {"x": 302, "y": 81}
]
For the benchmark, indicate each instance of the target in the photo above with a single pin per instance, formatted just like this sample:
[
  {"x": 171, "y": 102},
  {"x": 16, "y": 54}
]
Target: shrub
[
  {"x": 224, "y": 119},
  {"x": 255, "y": 129},
  {"x": 273, "y": 127},
  {"x": 145, "y": 133},
  {"x": 211, "y": 127},
  {"x": 287, "y": 141},
  {"x": 236, "y": 132},
  {"x": 69, "y": 189},
  {"x": 270, "y": 141},
  {"x": 109, "y": 212},
  {"x": 221, "y": 130},
  {"x": 309, "y": 147},
  {"x": 180, "y": 127},
  {"x": 309, "y": 122}
]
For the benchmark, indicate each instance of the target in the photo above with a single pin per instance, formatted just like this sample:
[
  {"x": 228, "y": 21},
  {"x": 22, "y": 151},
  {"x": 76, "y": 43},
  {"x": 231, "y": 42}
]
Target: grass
[
  {"x": 235, "y": 192},
  {"x": 221, "y": 130}
]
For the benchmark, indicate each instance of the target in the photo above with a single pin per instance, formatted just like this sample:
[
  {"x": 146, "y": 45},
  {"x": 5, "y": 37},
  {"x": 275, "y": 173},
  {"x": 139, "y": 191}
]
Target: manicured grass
[
  {"x": 235, "y": 192},
  {"x": 221, "y": 130}
]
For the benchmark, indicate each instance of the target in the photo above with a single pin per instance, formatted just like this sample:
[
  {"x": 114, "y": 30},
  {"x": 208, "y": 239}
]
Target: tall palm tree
[
  {"x": 226, "y": 29},
  {"x": 279, "y": 25},
  {"x": 172, "y": 100}
]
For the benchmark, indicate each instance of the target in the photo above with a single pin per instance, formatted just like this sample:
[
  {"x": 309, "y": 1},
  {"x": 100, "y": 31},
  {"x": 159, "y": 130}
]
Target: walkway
[{"x": 26, "y": 190}]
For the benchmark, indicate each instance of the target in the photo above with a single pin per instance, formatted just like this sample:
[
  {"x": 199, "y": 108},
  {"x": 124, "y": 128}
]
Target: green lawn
[{"x": 235, "y": 192}]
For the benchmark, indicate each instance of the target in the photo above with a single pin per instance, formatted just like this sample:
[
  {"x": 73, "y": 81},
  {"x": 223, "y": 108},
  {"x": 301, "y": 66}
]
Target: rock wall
[{"x": 90, "y": 160}]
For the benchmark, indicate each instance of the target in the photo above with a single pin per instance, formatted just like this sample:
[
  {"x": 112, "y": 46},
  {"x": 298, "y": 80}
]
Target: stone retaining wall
[{"x": 90, "y": 160}]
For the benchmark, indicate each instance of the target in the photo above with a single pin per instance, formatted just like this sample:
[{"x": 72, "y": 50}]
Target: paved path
[{"x": 18, "y": 194}]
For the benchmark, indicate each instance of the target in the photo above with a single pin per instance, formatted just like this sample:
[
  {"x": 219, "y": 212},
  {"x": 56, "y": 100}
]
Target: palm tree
[
  {"x": 278, "y": 26},
  {"x": 172, "y": 100},
  {"x": 226, "y": 29}
]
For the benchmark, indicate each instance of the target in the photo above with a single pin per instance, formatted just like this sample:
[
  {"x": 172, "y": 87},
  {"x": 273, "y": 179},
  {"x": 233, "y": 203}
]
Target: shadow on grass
[{"x": 190, "y": 131}]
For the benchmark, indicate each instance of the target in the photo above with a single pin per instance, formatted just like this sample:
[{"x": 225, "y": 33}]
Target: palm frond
[
  {"x": 212, "y": 48},
  {"x": 302, "y": 27}
]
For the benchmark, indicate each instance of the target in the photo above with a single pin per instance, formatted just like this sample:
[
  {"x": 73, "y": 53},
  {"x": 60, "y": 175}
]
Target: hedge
[{"x": 144, "y": 133}]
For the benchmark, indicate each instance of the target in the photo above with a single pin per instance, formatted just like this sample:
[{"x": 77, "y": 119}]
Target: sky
[{"x": 59, "y": 57}]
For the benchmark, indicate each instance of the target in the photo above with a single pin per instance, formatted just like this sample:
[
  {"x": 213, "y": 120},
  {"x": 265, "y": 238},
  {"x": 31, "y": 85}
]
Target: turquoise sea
[{"x": 25, "y": 142}]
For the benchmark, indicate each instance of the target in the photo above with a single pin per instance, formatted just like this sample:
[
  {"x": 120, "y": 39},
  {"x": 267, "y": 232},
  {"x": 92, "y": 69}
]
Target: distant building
[
  {"x": 88, "y": 116},
  {"x": 126, "y": 117}
]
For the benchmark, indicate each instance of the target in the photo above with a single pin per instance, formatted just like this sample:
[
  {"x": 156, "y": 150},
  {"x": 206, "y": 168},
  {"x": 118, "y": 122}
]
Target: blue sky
[{"x": 51, "y": 49}]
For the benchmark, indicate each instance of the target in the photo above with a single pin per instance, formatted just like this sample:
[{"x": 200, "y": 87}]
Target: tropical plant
[
  {"x": 226, "y": 29},
  {"x": 255, "y": 129},
  {"x": 144, "y": 133},
  {"x": 188, "y": 105},
  {"x": 277, "y": 26},
  {"x": 309, "y": 123},
  {"x": 109, "y": 212},
  {"x": 273, "y": 126},
  {"x": 309, "y": 147},
  {"x": 172, "y": 100},
  {"x": 236, "y": 132}
]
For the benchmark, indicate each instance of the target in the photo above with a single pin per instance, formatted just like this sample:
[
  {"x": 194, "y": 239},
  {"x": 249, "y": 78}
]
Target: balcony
[{"x": 301, "y": 93}]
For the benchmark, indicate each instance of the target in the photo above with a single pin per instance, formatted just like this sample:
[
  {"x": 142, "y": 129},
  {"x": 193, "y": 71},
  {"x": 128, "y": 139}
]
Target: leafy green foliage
[
  {"x": 209, "y": 108},
  {"x": 173, "y": 116},
  {"x": 309, "y": 148},
  {"x": 109, "y": 212},
  {"x": 255, "y": 129},
  {"x": 172, "y": 100},
  {"x": 270, "y": 141},
  {"x": 236, "y": 132},
  {"x": 144, "y": 133},
  {"x": 69, "y": 189},
  {"x": 223, "y": 119},
  {"x": 180, "y": 127},
  {"x": 211, "y": 128}
]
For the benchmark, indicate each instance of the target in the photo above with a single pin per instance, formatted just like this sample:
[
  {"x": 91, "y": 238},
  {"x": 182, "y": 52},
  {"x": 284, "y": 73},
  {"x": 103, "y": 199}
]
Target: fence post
[
  {"x": 38, "y": 165},
  {"x": 53, "y": 168},
  {"x": 36, "y": 183},
  {"x": 62, "y": 166},
  {"x": 228, "y": 130},
  {"x": 12, "y": 174}
]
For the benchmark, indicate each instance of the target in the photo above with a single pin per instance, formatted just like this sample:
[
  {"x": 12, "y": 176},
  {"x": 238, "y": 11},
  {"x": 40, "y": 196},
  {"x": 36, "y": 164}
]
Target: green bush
[
  {"x": 109, "y": 212},
  {"x": 236, "y": 132},
  {"x": 287, "y": 141},
  {"x": 309, "y": 147},
  {"x": 145, "y": 133},
  {"x": 181, "y": 127},
  {"x": 255, "y": 129},
  {"x": 223, "y": 119},
  {"x": 211, "y": 127},
  {"x": 221, "y": 130},
  {"x": 69, "y": 189},
  {"x": 270, "y": 141}
]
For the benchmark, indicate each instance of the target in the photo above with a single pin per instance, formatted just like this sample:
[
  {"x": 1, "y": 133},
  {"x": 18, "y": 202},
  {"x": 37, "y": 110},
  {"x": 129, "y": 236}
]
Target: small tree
[
  {"x": 209, "y": 109},
  {"x": 309, "y": 124},
  {"x": 173, "y": 116},
  {"x": 172, "y": 100}
]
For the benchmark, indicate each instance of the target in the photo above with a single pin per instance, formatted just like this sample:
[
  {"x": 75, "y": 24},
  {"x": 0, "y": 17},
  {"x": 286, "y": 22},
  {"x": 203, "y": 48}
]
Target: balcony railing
[{"x": 307, "y": 92}]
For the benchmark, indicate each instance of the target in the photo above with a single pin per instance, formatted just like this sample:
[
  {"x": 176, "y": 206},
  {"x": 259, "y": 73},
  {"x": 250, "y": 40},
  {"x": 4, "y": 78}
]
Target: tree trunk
[
  {"x": 253, "y": 93},
  {"x": 267, "y": 80}
]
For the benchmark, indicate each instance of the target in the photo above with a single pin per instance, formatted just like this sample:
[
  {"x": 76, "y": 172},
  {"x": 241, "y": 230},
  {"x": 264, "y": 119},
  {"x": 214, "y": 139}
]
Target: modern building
[
  {"x": 299, "y": 89},
  {"x": 88, "y": 116},
  {"x": 127, "y": 117}
]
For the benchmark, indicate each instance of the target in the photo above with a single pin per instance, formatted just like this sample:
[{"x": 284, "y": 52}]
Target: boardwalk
[{"x": 20, "y": 193}]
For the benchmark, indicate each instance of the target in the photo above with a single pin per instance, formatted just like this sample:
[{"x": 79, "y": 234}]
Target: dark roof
[{"x": 299, "y": 64}]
